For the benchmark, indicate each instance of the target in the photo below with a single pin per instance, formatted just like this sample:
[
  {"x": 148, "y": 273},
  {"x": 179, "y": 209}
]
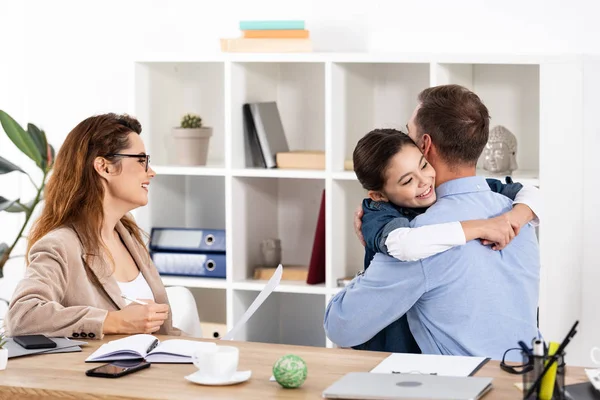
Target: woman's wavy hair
[{"x": 74, "y": 193}]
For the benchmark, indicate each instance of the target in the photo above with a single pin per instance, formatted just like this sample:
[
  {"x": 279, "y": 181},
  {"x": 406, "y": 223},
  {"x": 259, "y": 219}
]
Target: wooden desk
[{"x": 62, "y": 376}]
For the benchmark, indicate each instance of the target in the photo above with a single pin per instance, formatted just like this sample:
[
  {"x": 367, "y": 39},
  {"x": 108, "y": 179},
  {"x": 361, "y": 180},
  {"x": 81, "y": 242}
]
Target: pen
[
  {"x": 524, "y": 347},
  {"x": 152, "y": 346},
  {"x": 134, "y": 300}
]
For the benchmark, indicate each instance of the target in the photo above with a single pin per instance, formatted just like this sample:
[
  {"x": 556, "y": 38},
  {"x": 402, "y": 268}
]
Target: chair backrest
[{"x": 184, "y": 311}]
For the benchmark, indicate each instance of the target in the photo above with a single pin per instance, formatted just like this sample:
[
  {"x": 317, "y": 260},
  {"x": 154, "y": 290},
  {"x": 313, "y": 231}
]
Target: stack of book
[{"x": 268, "y": 37}]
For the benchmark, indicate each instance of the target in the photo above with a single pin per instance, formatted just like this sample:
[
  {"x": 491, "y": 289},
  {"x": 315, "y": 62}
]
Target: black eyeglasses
[
  {"x": 508, "y": 363},
  {"x": 145, "y": 157}
]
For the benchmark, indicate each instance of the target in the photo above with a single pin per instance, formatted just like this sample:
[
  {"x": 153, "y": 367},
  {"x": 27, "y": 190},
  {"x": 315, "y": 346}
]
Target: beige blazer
[{"x": 66, "y": 294}]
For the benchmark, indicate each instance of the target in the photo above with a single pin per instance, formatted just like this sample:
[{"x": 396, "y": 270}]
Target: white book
[{"x": 149, "y": 348}]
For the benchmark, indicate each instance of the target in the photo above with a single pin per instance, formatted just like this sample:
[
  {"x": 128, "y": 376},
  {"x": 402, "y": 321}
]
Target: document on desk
[
  {"x": 262, "y": 296},
  {"x": 400, "y": 363},
  {"x": 63, "y": 345}
]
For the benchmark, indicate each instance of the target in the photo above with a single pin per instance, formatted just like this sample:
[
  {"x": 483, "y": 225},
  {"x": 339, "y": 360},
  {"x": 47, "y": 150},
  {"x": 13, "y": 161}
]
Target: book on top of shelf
[
  {"x": 271, "y": 25},
  {"x": 277, "y": 34},
  {"x": 244, "y": 45}
]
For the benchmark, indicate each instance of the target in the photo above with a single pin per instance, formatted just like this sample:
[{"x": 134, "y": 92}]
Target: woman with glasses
[{"x": 86, "y": 256}]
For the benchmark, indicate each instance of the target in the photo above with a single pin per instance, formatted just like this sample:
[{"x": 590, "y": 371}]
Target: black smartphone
[
  {"x": 34, "y": 342},
  {"x": 117, "y": 369}
]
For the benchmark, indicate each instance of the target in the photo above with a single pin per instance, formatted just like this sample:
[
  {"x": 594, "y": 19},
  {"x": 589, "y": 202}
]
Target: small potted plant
[
  {"x": 191, "y": 140},
  {"x": 3, "y": 351}
]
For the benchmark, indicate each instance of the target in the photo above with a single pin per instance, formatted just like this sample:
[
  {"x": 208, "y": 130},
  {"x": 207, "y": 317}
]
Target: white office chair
[{"x": 183, "y": 311}]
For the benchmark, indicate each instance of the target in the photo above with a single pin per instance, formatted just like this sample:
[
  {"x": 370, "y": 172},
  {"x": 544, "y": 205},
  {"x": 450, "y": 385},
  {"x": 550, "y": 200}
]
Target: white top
[
  {"x": 411, "y": 244},
  {"x": 136, "y": 289}
]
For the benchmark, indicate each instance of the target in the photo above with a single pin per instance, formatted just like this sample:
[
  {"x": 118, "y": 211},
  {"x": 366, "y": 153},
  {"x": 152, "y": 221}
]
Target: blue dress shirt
[{"x": 469, "y": 300}]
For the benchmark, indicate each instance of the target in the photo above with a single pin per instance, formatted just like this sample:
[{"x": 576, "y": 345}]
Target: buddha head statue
[{"x": 500, "y": 152}]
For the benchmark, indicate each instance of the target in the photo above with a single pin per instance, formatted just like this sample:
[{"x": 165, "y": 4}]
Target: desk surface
[{"x": 63, "y": 376}]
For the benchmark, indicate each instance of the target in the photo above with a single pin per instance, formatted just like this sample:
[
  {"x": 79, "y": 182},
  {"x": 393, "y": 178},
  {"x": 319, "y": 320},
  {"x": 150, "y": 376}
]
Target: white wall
[{"x": 62, "y": 61}]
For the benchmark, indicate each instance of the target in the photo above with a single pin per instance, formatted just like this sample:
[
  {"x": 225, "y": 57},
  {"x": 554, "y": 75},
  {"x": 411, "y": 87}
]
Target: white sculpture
[{"x": 500, "y": 152}]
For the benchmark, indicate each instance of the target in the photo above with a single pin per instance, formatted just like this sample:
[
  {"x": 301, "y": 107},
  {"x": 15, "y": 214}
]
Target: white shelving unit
[{"x": 327, "y": 102}]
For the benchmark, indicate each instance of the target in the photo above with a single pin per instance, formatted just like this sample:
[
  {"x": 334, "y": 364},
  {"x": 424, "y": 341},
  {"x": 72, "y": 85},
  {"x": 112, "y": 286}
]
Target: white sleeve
[
  {"x": 530, "y": 196},
  {"x": 411, "y": 244}
]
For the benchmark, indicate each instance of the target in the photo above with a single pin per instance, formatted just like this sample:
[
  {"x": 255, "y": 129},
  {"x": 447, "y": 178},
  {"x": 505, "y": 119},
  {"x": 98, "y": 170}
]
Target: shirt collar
[{"x": 469, "y": 184}]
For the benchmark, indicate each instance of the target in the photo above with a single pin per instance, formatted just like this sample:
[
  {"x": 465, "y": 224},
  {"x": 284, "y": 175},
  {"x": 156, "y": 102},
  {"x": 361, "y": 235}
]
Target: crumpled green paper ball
[{"x": 290, "y": 371}]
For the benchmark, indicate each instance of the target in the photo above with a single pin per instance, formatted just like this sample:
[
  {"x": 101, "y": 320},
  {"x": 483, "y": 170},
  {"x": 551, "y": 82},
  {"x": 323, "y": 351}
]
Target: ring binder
[{"x": 189, "y": 251}]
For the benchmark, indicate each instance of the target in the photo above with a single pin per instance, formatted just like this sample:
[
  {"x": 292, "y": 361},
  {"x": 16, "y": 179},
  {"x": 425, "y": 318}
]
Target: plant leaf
[
  {"x": 21, "y": 138},
  {"x": 39, "y": 138},
  {"x": 6, "y": 167},
  {"x": 51, "y": 155},
  {"x": 17, "y": 207},
  {"x": 5, "y": 203}
]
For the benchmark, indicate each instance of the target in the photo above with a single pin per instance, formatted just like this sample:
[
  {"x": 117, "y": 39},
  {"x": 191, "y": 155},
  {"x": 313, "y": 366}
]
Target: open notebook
[{"x": 149, "y": 348}]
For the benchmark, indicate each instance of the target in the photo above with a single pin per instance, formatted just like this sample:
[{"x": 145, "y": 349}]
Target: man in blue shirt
[{"x": 469, "y": 300}]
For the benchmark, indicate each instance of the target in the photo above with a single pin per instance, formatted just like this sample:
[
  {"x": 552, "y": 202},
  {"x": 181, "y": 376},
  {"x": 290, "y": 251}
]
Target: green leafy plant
[
  {"x": 191, "y": 121},
  {"x": 31, "y": 142}
]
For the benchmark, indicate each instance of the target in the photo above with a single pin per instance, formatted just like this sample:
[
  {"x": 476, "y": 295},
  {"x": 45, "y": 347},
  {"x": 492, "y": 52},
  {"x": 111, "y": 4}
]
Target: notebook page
[
  {"x": 134, "y": 346},
  {"x": 177, "y": 350}
]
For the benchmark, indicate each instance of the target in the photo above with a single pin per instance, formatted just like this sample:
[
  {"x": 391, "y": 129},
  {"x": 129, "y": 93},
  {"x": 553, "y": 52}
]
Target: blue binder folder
[
  {"x": 187, "y": 240},
  {"x": 208, "y": 265}
]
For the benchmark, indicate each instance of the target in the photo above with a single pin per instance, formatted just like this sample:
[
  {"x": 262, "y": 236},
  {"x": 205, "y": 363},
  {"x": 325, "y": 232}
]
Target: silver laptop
[{"x": 374, "y": 386}]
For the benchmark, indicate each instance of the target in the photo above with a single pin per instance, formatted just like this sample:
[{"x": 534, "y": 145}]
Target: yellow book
[
  {"x": 301, "y": 159},
  {"x": 277, "y": 34}
]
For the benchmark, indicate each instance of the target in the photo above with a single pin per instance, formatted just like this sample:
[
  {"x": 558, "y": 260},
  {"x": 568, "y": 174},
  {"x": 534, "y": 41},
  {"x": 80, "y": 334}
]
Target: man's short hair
[{"x": 457, "y": 121}]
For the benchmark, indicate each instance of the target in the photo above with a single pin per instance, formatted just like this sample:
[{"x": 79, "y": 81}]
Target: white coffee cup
[
  {"x": 593, "y": 355},
  {"x": 219, "y": 362}
]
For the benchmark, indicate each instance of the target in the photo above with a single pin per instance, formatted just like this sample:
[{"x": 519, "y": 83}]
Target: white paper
[
  {"x": 262, "y": 296},
  {"x": 401, "y": 363},
  {"x": 593, "y": 375}
]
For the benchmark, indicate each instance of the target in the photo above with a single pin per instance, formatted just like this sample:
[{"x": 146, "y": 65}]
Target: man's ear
[
  {"x": 377, "y": 196},
  {"x": 426, "y": 144}
]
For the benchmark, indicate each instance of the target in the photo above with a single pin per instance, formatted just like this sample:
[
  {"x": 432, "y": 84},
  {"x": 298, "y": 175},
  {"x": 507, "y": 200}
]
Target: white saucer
[{"x": 238, "y": 377}]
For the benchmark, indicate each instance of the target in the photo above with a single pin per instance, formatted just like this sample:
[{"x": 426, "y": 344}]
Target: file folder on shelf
[
  {"x": 187, "y": 240},
  {"x": 207, "y": 265}
]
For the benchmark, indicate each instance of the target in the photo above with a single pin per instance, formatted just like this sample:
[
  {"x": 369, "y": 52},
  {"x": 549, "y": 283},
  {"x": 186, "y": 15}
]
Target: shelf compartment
[
  {"x": 165, "y": 91},
  {"x": 265, "y": 208},
  {"x": 285, "y": 318},
  {"x": 366, "y": 96},
  {"x": 512, "y": 95},
  {"x": 298, "y": 89}
]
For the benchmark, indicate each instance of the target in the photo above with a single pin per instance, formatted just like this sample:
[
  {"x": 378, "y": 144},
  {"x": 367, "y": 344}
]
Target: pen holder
[{"x": 552, "y": 386}]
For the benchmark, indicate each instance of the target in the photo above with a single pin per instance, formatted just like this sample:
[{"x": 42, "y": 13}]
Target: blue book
[{"x": 271, "y": 25}]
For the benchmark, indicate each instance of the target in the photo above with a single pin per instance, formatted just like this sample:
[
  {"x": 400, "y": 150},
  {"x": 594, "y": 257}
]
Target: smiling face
[
  {"x": 129, "y": 186},
  {"x": 409, "y": 180}
]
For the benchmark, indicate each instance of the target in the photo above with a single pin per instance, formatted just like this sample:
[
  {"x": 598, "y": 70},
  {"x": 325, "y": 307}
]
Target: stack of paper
[{"x": 400, "y": 363}]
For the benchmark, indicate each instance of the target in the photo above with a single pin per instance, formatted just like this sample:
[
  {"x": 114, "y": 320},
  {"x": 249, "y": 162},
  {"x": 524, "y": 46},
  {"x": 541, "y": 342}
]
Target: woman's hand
[
  {"x": 136, "y": 318},
  {"x": 498, "y": 231}
]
